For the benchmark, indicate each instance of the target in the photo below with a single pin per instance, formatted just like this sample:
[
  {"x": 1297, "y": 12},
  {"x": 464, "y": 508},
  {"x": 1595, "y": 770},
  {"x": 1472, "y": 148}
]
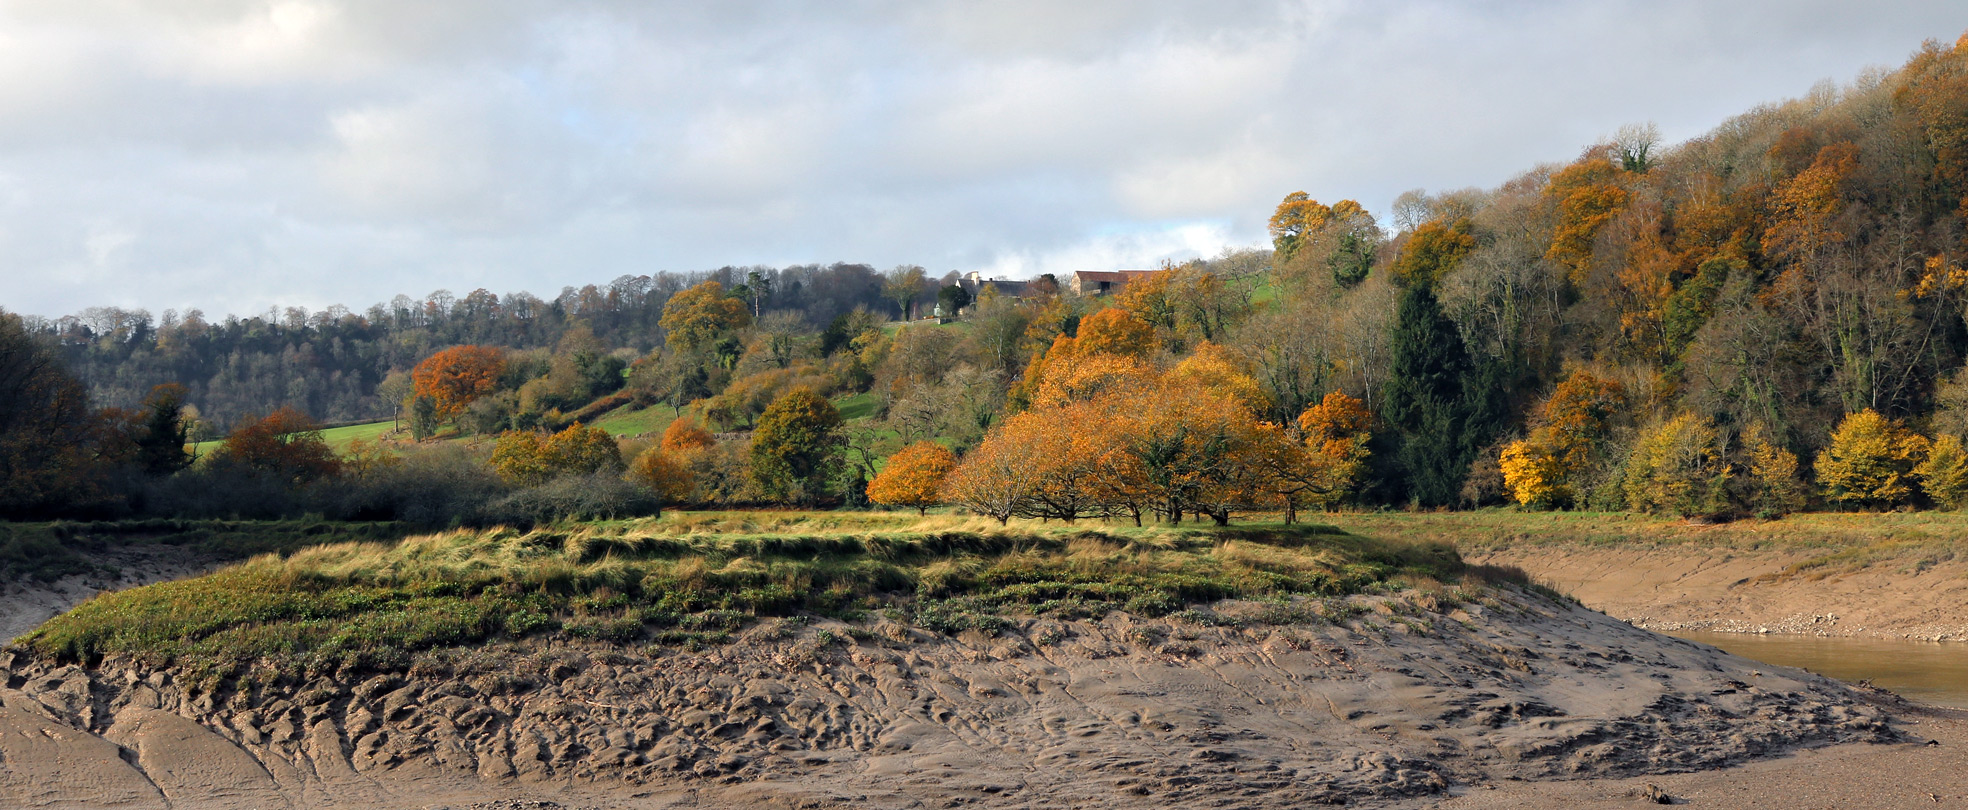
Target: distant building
[
  {"x": 1083, "y": 282},
  {"x": 1106, "y": 282}
]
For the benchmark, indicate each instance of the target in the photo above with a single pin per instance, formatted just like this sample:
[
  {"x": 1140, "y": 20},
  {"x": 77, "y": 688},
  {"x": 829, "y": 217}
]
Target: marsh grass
[
  {"x": 50, "y": 551},
  {"x": 693, "y": 578}
]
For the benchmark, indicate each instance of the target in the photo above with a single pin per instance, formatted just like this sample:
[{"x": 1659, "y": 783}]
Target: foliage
[
  {"x": 1588, "y": 195},
  {"x": 1438, "y": 404},
  {"x": 1870, "y": 461},
  {"x": 1115, "y": 331},
  {"x": 796, "y": 450},
  {"x": 454, "y": 378},
  {"x": 695, "y": 317},
  {"x": 1773, "y": 486},
  {"x": 663, "y": 472},
  {"x": 160, "y": 444},
  {"x": 1432, "y": 251},
  {"x": 913, "y": 477},
  {"x": 684, "y": 435},
  {"x": 532, "y": 458},
  {"x": 1678, "y": 467},
  {"x": 1944, "y": 473},
  {"x": 1546, "y": 469},
  {"x": 286, "y": 444}
]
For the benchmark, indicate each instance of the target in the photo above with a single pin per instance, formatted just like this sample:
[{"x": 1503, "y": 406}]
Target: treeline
[{"x": 329, "y": 363}]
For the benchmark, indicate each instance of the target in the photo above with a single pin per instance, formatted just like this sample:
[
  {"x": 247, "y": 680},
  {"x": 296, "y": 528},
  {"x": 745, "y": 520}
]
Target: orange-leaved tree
[
  {"x": 1570, "y": 434},
  {"x": 914, "y": 476},
  {"x": 1114, "y": 331},
  {"x": 684, "y": 434},
  {"x": 286, "y": 444},
  {"x": 1587, "y": 194},
  {"x": 665, "y": 474},
  {"x": 453, "y": 378}
]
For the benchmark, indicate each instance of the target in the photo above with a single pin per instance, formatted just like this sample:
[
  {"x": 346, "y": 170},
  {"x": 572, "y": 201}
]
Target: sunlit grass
[{"x": 375, "y": 605}]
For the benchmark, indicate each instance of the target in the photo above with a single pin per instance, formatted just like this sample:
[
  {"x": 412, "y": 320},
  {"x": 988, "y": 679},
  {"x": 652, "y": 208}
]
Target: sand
[
  {"x": 1748, "y": 591},
  {"x": 1412, "y": 703}
]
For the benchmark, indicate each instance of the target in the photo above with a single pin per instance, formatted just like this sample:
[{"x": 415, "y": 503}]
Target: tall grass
[{"x": 374, "y": 605}]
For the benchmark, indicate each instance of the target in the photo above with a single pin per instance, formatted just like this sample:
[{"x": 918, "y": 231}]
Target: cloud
[{"x": 238, "y": 154}]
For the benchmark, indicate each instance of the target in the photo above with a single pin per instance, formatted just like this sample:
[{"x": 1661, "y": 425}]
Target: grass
[
  {"x": 50, "y": 551},
  {"x": 858, "y": 406},
  {"x": 624, "y": 422},
  {"x": 336, "y": 437},
  {"x": 1832, "y": 541},
  {"x": 369, "y": 605}
]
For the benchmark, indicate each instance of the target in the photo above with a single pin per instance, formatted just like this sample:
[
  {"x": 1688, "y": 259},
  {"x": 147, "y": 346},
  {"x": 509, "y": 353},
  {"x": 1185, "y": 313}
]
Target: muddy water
[{"x": 1928, "y": 672}]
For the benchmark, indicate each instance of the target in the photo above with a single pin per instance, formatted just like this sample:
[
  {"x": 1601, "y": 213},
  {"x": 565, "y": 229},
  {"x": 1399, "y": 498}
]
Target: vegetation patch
[
  {"x": 693, "y": 578},
  {"x": 50, "y": 551}
]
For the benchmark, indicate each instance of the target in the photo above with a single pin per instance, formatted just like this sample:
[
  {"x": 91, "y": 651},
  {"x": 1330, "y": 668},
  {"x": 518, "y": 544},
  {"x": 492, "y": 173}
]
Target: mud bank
[
  {"x": 1405, "y": 705},
  {"x": 1736, "y": 590}
]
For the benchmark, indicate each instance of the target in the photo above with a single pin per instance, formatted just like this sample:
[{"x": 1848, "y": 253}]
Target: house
[
  {"x": 1105, "y": 282},
  {"x": 974, "y": 283}
]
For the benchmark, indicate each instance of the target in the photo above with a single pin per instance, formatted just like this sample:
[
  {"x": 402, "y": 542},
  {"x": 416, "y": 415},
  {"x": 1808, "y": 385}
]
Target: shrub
[
  {"x": 597, "y": 496},
  {"x": 665, "y": 474},
  {"x": 531, "y": 458}
]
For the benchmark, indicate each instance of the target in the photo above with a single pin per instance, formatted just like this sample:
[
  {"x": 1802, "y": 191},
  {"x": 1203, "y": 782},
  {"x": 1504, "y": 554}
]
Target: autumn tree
[
  {"x": 531, "y": 457},
  {"x": 913, "y": 477},
  {"x": 1772, "y": 487},
  {"x": 1678, "y": 467},
  {"x": 1216, "y": 369},
  {"x": 1870, "y": 461},
  {"x": 1325, "y": 462},
  {"x": 287, "y": 444},
  {"x": 685, "y": 435},
  {"x": 1115, "y": 331},
  {"x": 696, "y": 317},
  {"x": 1432, "y": 251},
  {"x": 1587, "y": 195},
  {"x": 796, "y": 449},
  {"x": 1547, "y": 468},
  {"x": 663, "y": 472},
  {"x": 455, "y": 377}
]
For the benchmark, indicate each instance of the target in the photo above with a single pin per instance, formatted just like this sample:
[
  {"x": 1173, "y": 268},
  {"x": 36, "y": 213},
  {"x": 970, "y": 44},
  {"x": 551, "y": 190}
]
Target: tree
[
  {"x": 455, "y": 377},
  {"x": 531, "y": 458},
  {"x": 1678, "y": 467},
  {"x": 1215, "y": 369},
  {"x": 1772, "y": 486},
  {"x": 953, "y": 299},
  {"x": 423, "y": 418},
  {"x": 1546, "y": 469},
  {"x": 665, "y": 474},
  {"x": 796, "y": 449},
  {"x": 287, "y": 444},
  {"x": 996, "y": 479},
  {"x": 1944, "y": 474},
  {"x": 1434, "y": 401},
  {"x": 1870, "y": 461},
  {"x": 48, "y": 431},
  {"x": 904, "y": 286},
  {"x": 1115, "y": 331},
  {"x": 1587, "y": 195},
  {"x": 697, "y": 317},
  {"x": 685, "y": 435},
  {"x": 161, "y": 444},
  {"x": 913, "y": 477},
  {"x": 1432, "y": 251}
]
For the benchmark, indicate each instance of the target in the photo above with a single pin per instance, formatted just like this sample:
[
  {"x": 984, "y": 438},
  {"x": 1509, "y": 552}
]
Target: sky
[{"x": 234, "y": 156}]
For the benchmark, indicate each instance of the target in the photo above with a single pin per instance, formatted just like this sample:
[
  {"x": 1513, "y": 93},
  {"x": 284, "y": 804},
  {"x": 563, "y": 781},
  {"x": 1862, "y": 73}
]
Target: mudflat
[{"x": 1403, "y": 705}]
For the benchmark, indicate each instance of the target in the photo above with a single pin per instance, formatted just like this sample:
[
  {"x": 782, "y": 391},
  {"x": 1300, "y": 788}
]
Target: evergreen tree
[
  {"x": 1442, "y": 406},
  {"x": 161, "y": 445}
]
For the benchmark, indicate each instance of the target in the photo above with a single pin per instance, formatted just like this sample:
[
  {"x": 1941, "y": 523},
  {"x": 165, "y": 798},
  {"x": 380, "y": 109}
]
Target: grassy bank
[
  {"x": 49, "y": 551},
  {"x": 1830, "y": 542},
  {"x": 692, "y": 577}
]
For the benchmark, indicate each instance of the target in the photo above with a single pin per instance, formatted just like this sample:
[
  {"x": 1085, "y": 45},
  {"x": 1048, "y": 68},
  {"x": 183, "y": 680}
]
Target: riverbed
[{"x": 1934, "y": 673}]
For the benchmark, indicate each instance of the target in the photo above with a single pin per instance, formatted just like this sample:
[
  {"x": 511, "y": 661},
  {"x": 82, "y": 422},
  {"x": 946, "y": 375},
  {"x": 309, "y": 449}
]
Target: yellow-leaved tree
[
  {"x": 1543, "y": 470},
  {"x": 913, "y": 477},
  {"x": 1944, "y": 474},
  {"x": 531, "y": 458},
  {"x": 1678, "y": 467},
  {"x": 1773, "y": 489},
  {"x": 1870, "y": 461}
]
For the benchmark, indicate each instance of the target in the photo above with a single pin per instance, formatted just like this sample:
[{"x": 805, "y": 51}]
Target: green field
[
  {"x": 692, "y": 578},
  {"x": 336, "y": 437},
  {"x": 625, "y": 422}
]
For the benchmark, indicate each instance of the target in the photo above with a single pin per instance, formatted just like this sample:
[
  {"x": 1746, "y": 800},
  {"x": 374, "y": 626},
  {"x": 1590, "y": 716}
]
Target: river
[{"x": 1926, "y": 672}]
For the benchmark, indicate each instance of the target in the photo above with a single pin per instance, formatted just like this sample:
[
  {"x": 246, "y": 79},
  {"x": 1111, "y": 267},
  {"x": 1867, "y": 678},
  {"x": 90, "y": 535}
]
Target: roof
[{"x": 1112, "y": 275}]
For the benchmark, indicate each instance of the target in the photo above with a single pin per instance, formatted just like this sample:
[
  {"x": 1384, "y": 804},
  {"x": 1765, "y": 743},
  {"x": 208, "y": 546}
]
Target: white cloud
[{"x": 231, "y": 154}]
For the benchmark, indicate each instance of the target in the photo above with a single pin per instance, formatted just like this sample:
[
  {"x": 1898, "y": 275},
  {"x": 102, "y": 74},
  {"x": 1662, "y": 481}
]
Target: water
[{"x": 1934, "y": 673}]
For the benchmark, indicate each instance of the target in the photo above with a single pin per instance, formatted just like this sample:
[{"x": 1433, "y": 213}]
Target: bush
[
  {"x": 598, "y": 496},
  {"x": 1944, "y": 475}
]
